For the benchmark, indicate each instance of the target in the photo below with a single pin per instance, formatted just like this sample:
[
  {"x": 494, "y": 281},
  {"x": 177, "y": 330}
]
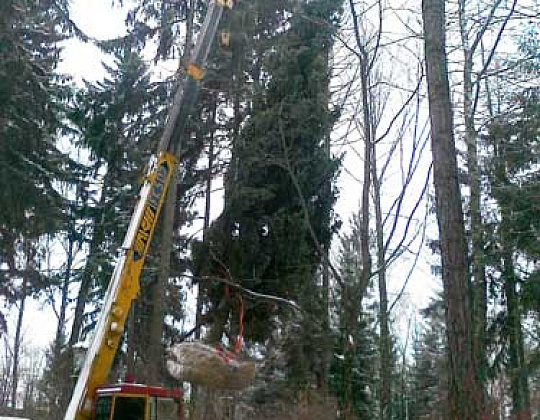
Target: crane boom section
[
  {"x": 123, "y": 288},
  {"x": 124, "y": 285}
]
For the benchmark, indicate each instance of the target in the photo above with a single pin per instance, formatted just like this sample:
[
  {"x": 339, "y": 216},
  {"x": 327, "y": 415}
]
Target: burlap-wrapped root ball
[{"x": 207, "y": 366}]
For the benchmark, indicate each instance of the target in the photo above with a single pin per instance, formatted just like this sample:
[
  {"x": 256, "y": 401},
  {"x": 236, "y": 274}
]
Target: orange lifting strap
[{"x": 240, "y": 338}]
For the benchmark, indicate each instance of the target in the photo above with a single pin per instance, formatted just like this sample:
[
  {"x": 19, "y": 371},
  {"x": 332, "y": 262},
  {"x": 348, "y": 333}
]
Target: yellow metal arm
[
  {"x": 123, "y": 288},
  {"x": 124, "y": 285}
]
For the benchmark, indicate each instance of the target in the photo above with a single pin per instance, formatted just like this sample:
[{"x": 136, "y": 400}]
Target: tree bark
[
  {"x": 517, "y": 369},
  {"x": 157, "y": 289},
  {"x": 521, "y": 404},
  {"x": 17, "y": 344},
  {"x": 368, "y": 145},
  {"x": 61, "y": 327},
  {"x": 326, "y": 350},
  {"x": 478, "y": 285},
  {"x": 364, "y": 226},
  {"x": 59, "y": 341},
  {"x": 207, "y": 209},
  {"x": 465, "y": 399},
  {"x": 86, "y": 281},
  {"x": 384, "y": 339}
]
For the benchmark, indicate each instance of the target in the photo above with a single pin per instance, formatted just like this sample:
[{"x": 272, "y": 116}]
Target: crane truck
[{"x": 92, "y": 398}]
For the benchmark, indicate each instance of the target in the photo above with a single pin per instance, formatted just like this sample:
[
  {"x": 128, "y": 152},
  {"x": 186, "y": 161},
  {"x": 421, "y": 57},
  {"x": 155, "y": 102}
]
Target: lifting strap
[{"x": 226, "y": 355}]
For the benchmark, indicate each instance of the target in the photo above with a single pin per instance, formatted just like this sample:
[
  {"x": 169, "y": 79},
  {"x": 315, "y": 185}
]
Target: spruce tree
[
  {"x": 515, "y": 184},
  {"x": 32, "y": 168},
  {"x": 354, "y": 365},
  {"x": 429, "y": 372},
  {"x": 278, "y": 210}
]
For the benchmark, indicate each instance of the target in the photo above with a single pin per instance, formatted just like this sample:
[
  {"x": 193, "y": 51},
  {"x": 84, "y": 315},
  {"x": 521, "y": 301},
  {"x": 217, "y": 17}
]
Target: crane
[{"x": 92, "y": 399}]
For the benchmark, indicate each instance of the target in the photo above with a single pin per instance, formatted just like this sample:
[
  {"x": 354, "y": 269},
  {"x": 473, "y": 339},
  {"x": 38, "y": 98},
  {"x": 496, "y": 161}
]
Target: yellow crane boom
[{"x": 124, "y": 285}]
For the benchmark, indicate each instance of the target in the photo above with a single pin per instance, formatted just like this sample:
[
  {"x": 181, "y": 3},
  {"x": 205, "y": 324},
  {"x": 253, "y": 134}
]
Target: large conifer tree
[
  {"x": 277, "y": 218},
  {"x": 31, "y": 165}
]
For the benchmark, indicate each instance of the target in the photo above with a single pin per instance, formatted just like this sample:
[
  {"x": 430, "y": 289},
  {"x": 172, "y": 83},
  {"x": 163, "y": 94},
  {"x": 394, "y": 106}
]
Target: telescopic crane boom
[{"x": 124, "y": 285}]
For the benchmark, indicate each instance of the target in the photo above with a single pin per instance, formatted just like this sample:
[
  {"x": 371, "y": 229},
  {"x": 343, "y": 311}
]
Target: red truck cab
[{"x": 131, "y": 401}]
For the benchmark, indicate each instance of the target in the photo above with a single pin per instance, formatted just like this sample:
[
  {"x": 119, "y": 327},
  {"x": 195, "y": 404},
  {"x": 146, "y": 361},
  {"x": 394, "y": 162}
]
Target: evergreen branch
[{"x": 288, "y": 168}]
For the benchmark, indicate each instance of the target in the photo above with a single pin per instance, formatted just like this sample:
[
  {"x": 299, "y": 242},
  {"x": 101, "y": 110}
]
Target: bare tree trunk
[
  {"x": 196, "y": 396},
  {"x": 517, "y": 369},
  {"x": 465, "y": 399},
  {"x": 157, "y": 289},
  {"x": 17, "y": 344},
  {"x": 207, "y": 209},
  {"x": 364, "y": 226},
  {"x": 479, "y": 285},
  {"x": 61, "y": 327},
  {"x": 368, "y": 145},
  {"x": 86, "y": 281},
  {"x": 385, "y": 341},
  {"x": 64, "y": 367},
  {"x": 82, "y": 298},
  {"x": 326, "y": 351},
  {"x": 157, "y": 292}
]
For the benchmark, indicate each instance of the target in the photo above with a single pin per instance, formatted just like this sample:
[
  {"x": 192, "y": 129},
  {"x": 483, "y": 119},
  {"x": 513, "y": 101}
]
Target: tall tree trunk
[
  {"x": 326, "y": 345},
  {"x": 326, "y": 351},
  {"x": 207, "y": 209},
  {"x": 61, "y": 327},
  {"x": 86, "y": 280},
  {"x": 465, "y": 397},
  {"x": 368, "y": 145},
  {"x": 384, "y": 339},
  {"x": 517, "y": 369},
  {"x": 82, "y": 297},
  {"x": 478, "y": 285},
  {"x": 521, "y": 406},
  {"x": 59, "y": 341},
  {"x": 156, "y": 291},
  {"x": 195, "y": 391},
  {"x": 17, "y": 344}
]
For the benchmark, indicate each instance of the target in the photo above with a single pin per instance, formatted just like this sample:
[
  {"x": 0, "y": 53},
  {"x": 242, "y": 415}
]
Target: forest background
[{"x": 312, "y": 100}]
